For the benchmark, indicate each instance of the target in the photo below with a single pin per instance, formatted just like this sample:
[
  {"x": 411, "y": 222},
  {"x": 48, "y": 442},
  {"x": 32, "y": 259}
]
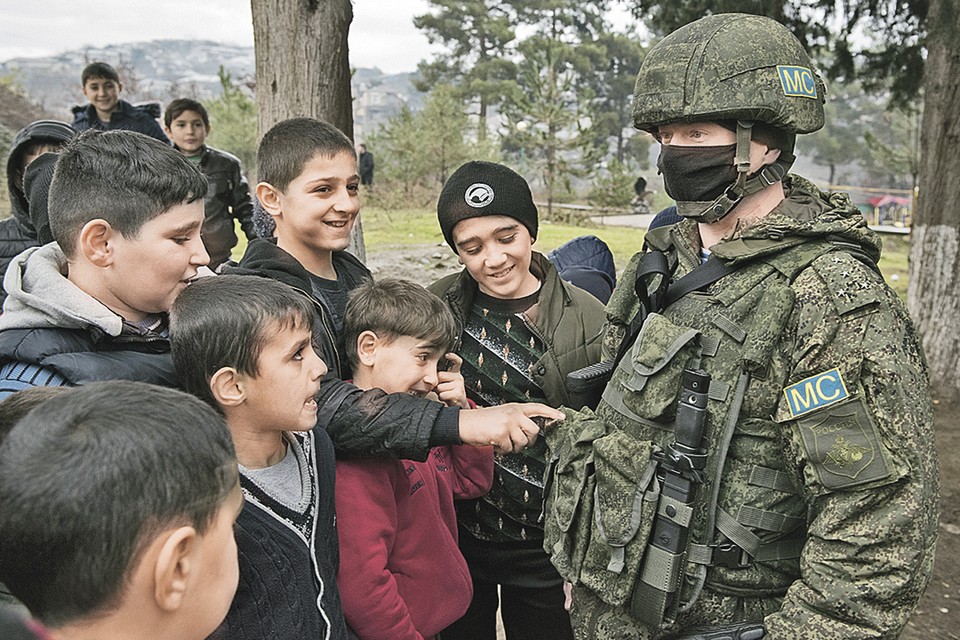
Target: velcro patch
[
  {"x": 815, "y": 392},
  {"x": 798, "y": 82},
  {"x": 844, "y": 447}
]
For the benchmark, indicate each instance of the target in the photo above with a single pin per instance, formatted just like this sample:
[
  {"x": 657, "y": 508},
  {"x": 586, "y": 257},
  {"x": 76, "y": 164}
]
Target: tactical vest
[{"x": 748, "y": 522}]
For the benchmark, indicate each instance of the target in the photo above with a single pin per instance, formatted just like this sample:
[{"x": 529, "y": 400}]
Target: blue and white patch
[
  {"x": 815, "y": 392},
  {"x": 479, "y": 195},
  {"x": 798, "y": 82}
]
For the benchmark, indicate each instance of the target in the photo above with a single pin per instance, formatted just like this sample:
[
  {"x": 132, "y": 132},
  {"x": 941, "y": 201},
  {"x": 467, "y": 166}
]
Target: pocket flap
[
  {"x": 624, "y": 469},
  {"x": 659, "y": 341}
]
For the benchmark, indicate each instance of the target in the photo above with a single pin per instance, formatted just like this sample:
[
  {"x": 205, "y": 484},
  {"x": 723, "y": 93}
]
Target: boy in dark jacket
[
  {"x": 19, "y": 231},
  {"x": 117, "y": 520},
  {"x": 402, "y": 576},
  {"x": 310, "y": 187},
  {"x": 522, "y": 330},
  {"x": 106, "y": 111},
  {"x": 228, "y": 196},
  {"x": 125, "y": 212},
  {"x": 261, "y": 372}
]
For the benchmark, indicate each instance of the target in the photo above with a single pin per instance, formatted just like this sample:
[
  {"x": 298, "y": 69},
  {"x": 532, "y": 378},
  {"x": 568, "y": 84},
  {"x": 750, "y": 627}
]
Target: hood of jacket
[
  {"x": 40, "y": 131},
  {"x": 39, "y": 296},
  {"x": 805, "y": 214}
]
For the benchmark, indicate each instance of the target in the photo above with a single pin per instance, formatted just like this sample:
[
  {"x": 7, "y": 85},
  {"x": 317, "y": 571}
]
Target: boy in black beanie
[{"x": 522, "y": 330}]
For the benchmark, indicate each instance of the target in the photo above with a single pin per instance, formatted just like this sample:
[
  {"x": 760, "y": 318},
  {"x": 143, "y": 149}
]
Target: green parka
[{"x": 568, "y": 319}]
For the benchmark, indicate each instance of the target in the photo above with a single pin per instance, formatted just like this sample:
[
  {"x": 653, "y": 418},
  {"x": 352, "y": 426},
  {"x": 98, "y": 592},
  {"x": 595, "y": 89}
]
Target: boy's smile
[
  {"x": 404, "y": 365},
  {"x": 316, "y": 212},
  {"x": 496, "y": 250},
  {"x": 103, "y": 94},
  {"x": 149, "y": 271}
]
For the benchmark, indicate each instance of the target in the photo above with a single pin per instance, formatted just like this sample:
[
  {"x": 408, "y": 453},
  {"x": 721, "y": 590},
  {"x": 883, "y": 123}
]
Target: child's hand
[{"x": 451, "y": 389}]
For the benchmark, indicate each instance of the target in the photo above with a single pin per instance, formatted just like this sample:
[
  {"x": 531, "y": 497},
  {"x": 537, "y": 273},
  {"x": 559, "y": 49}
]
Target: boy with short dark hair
[
  {"x": 243, "y": 344},
  {"x": 523, "y": 330},
  {"x": 126, "y": 212},
  {"x": 118, "y": 504},
  {"x": 187, "y": 124},
  {"x": 106, "y": 111},
  {"x": 402, "y": 574},
  {"x": 310, "y": 187}
]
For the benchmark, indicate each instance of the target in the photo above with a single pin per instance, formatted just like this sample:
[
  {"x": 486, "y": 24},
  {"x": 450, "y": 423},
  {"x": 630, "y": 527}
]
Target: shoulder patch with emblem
[
  {"x": 844, "y": 447},
  {"x": 815, "y": 392},
  {"x": 796, "y": 81}
]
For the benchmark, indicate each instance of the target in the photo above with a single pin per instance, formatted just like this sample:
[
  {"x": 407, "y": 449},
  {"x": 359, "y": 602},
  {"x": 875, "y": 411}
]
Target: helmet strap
[{"x": 710, "y": 212}]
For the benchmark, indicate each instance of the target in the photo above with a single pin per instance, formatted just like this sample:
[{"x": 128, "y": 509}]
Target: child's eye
[
  {"x": 299, "y": 354},
  {"x": 353, "y": 188},
  {"x": 181, "y": 239},
  {"x": 508, "y": 239},
  {"x": 472, "y": 251}
]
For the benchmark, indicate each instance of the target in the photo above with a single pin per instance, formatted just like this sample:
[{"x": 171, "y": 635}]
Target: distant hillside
[{"x": 165, "y": 69}]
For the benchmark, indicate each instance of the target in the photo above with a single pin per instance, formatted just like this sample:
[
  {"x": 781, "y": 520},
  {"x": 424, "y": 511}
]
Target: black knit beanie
[{"x": 485, "y": 189}]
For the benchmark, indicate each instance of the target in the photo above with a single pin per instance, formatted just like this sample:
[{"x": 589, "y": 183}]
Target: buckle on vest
[{"x": 730, "y": 555}]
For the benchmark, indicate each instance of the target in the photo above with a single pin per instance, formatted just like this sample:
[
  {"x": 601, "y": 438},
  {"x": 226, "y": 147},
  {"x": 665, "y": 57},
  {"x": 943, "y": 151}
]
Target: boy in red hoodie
[{"x": 402, "y": 576}]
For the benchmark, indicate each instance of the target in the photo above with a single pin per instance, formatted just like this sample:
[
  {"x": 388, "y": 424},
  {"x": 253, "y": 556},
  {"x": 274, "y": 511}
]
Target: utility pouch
[
  {"x": 624, "y": 508},
  {"x": 568, "y": 491},
  {"x": 649, "y": 378}
]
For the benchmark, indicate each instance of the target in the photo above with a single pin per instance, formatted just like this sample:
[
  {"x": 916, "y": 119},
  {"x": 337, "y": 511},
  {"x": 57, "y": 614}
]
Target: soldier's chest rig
[{"x": 644, "y": 514}]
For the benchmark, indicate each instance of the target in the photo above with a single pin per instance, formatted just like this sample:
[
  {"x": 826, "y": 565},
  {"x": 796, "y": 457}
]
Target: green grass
[{"x": 384, "y": 230}]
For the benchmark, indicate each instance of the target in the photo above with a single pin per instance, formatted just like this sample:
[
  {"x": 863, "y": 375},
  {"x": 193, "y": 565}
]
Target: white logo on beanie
[{"x": 479, "y": 195}]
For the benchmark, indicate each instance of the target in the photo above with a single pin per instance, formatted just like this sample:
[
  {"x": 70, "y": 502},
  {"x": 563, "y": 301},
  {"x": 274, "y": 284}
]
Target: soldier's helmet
[{"x": 729, "y": 66}]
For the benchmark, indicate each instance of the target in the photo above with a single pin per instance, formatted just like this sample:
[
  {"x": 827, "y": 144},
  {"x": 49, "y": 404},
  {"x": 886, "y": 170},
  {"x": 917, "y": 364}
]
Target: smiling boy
[
  {"x": 126, "y": 212},
  {"x": 228, "y": 196},
  {"x": 106, "y": 111},
  {"x": 522, "y": 330},
  {"x": 402, "y": 574}
]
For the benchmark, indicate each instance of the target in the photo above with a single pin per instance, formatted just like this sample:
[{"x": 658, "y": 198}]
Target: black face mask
[{"x": 697, "y": 174}]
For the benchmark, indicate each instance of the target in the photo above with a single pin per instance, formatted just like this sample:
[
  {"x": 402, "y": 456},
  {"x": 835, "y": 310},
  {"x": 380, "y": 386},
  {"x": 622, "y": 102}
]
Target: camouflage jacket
[{"x": 821, "y": 464}]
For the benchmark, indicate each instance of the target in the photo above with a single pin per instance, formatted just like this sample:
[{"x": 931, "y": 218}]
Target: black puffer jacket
[
  {"x": 371, "y": 422},
  {"x": 139, "y": 118},
  {"x": 228, "y": 197}
]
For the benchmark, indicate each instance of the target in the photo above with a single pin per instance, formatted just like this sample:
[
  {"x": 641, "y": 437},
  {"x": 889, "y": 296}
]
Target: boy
[
  {"x": 126, "y": 212},
  {"x": 118, "y": 504},
  {"x": 228, "y": 197},
  {"x": 523, "y": 329},
  {"x": 19, "y": 231},
  {"x": 242, "y": 344},
  {"x": 309, "y": 186},
  {"x": 101, "y": 86},
  {"x": 402, "y": 574}
]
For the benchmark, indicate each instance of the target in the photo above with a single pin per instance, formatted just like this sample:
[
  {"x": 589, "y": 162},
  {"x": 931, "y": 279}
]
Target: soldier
[{"x": 794, "y": 484}]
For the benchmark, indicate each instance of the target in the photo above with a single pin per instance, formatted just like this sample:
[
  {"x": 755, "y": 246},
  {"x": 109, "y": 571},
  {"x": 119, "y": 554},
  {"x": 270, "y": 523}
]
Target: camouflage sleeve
[
  {"x": 621, "y": 308},
  {"x": 857, "y": 418}
]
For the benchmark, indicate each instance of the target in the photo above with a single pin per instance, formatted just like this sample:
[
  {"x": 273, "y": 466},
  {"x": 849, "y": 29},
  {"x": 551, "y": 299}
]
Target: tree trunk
[
  {"x": 934, "y": 293},
  {"x": 303, "y": 67}
]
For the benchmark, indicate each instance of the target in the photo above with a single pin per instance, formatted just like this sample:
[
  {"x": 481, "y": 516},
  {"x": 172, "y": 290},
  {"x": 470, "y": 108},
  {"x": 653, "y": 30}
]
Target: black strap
[{"x": 654, "y": 263}]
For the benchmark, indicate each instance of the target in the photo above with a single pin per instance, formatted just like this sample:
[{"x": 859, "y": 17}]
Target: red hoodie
[{"x": 402, "y": 576}]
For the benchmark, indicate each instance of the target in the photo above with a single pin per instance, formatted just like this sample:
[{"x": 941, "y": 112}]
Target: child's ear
[
  {"x": 226, "y": 387},
  {"x": 367, "y": 348},
  {"x": 174, "y": 565},
  {"x": 95, "y": 242},
  {"x": 270, "y": 197}
]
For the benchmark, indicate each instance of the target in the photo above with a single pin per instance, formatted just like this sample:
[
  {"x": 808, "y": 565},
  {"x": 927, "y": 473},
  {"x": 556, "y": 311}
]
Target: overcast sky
[{"x": 382, "y": 34}]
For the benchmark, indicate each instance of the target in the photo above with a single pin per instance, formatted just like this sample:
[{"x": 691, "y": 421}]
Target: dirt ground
[{"x": 938, "y": 615}]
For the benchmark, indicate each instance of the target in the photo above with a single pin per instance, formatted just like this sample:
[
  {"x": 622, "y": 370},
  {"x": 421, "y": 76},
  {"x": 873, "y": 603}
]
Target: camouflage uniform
[{"x": 821, "y": 480}]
